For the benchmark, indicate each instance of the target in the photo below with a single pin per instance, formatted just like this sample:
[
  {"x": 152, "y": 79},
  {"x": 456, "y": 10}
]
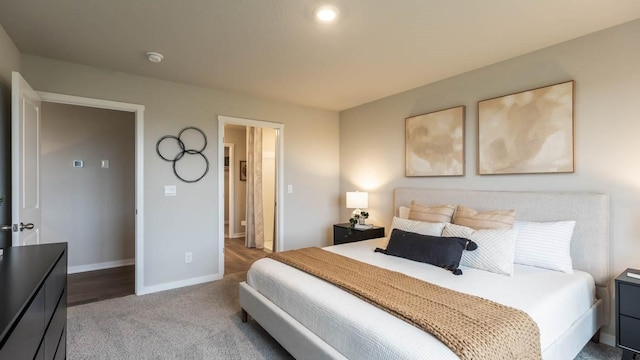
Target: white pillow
[
  {"x": 420, "y": 227},
  {"x": 545, "y": 244},
  {"x": 496, "y": 248},
  {"x": 403, "y": 212}
]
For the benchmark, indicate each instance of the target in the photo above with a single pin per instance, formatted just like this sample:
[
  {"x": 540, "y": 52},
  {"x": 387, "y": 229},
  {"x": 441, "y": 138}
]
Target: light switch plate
[
  {"x": 170, "y": 190},
  {"x": 104, "y": 164}
]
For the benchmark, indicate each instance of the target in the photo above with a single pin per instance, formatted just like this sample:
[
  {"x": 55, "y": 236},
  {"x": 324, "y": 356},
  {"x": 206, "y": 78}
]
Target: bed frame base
[
  {"x": 303, "y": 344},
  {"x": 295, "y": 338}
]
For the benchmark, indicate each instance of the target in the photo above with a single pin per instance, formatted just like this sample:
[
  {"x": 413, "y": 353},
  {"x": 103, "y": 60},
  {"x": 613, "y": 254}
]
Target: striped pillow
[
  {"x": 496, "y": 248},
  {"x": 496, "y": 219},
  {"x": 545, "y": 244},
  {"x": 437, "y": 214},
  {"x": 418, "y": 227},
  {"x": 403, "y": 212}
]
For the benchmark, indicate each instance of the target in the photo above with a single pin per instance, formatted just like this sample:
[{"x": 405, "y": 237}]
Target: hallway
[{"x": 238, "y": 257}]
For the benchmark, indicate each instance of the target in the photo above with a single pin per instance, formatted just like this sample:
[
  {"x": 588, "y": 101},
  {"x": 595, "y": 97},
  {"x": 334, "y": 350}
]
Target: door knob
[{"x": 27, "y": 226}]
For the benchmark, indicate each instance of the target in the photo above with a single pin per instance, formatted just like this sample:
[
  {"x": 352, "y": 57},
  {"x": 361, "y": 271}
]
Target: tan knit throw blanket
[{"x": 472, "y": 327}]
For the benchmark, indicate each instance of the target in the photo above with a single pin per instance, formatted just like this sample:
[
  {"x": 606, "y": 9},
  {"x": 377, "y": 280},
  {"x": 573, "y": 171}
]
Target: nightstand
[
  {"x": 341, "y": 233},
  {"x": 628, "y": 314}
]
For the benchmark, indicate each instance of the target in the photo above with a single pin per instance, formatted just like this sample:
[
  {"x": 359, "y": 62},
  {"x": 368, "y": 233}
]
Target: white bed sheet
[{"x": 360, "y": 330}]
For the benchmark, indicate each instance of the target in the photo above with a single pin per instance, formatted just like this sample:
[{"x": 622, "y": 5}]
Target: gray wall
[
  {"x": 605, "y": 68},
  {"x": 91, "y": 208},
  {"x": 188, "y": 222},
  {"x": 238, "y": 136},
  {"x": 9, "y": 57},
  {"x": 9, "y": 61}
]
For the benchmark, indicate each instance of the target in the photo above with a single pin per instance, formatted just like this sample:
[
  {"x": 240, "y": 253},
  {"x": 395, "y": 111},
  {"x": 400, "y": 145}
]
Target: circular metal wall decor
[{"x": 183, "y": 151}]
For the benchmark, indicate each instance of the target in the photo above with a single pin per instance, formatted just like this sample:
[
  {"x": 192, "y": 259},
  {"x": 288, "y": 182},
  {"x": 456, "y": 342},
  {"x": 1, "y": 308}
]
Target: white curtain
[{"x": 255, "y": 217}]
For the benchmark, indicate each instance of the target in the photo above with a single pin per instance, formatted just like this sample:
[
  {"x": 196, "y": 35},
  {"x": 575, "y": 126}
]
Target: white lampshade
[{"x": 357, "y": 200}]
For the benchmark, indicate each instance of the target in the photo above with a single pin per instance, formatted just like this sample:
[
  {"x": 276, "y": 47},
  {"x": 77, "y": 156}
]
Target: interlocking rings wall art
[{"x": 184, "y": 151}]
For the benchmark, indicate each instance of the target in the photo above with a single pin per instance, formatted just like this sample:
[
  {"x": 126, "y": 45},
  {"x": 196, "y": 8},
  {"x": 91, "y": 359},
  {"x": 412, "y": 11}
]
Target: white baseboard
[
  {"x": 100, "y": 266},
  {"x": 608, "y": 339},
  {"x": 179, "y": 284},
  {"x": 237, "y": 235}
]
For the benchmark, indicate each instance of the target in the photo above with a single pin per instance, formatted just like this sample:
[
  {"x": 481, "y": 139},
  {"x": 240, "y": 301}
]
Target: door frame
[
  {"x": 232, "y": 197},
  {"x": 138, "y": 111},
  {"x": 222, "y": 121}
]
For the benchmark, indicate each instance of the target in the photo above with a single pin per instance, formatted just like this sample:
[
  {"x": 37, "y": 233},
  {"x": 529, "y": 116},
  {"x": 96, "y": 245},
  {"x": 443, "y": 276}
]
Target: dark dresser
[
  {"x": 628, "y": 314},
  {"x": 33, "y": 302}
]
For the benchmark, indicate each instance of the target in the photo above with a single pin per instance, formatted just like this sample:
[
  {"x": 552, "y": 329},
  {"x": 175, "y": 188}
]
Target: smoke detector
[{"x": 154, "y": 57}]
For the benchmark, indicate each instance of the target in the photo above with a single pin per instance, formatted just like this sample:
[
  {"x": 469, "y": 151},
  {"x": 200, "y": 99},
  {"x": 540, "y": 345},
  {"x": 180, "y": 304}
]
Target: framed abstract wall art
[
  {"x": 434, "y": 143},
  {"x": 530, "y": 132}
]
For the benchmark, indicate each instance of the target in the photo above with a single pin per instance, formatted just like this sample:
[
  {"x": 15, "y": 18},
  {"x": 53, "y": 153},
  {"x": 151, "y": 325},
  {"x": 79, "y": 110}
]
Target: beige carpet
[{"x": 197, "y": 322}]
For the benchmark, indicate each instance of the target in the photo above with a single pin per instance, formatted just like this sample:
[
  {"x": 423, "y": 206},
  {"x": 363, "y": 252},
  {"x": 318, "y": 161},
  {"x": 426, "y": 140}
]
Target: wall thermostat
[{"x": 78, "y": 163}]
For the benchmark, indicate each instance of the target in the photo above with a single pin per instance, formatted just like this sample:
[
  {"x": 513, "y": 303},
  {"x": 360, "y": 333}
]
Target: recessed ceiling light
[
  {"x": 327, "y": 13},
  {"x": 154, "y": 57}
]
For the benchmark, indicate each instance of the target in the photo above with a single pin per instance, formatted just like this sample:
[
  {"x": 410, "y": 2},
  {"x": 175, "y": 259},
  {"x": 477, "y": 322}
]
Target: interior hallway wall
[
  {"x": 237, "y": 136},
  {"x": 92, "y": 208},
  {"x": 226, "y": 188}
]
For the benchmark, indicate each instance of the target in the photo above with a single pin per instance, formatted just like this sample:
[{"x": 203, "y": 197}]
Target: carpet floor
[{"x": 196, "y": 322}]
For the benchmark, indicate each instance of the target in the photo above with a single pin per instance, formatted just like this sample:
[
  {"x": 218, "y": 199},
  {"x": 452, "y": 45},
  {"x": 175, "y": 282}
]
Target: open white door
[{"x": 25, "y": 162}]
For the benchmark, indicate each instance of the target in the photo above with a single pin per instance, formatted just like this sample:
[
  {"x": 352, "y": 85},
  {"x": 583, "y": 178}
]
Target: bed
[{"x": 313, "y": 319}]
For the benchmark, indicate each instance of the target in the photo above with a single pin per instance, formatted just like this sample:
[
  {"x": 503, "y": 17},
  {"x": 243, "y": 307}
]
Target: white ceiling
[{"x": 274, "y": 48}]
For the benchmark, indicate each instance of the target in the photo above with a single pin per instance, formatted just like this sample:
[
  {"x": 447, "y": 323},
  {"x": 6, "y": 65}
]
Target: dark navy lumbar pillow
[{"x": 444, "y": 252}]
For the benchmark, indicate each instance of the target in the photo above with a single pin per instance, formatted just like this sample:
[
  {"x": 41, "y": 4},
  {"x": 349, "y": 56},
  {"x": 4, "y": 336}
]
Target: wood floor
[
  {"x": 91, "y": 286},
  {"x": 238, "y": 257}
]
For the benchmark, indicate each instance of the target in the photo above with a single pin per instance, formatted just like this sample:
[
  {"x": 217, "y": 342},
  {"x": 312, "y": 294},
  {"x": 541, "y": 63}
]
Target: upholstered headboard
[{"x": 590, "y": 242}]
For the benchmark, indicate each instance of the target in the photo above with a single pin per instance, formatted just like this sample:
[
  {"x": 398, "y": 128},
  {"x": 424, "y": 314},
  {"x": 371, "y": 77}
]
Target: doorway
[
  {"x": 87, "y": 184},
  {"x": 138, "y": 172},
  {"x": 229, "y": 190},
  {"x": 258, "y": 186}
]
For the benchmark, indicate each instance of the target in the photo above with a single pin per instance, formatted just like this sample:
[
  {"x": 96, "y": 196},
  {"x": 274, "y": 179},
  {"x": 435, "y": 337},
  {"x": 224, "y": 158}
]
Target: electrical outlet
[{"x": 188, "y": 257}]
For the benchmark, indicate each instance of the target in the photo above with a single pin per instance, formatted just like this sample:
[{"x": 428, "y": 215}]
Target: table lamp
[{"x": 357, "y": 200}]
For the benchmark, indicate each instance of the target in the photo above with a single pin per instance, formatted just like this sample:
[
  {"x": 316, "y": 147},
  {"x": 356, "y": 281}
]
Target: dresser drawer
[
  {"x": 40, "y": 353},
  {"x": 55, "y": 329},
  {"x": 33, "y": 281},
  {"x": 629, "y": 300},
  {"x": 27, "y": 335},
  {"x": 55, "y": 285},
  {"x": 61, "y": 354},
  {"x": 629, "y": 332}
]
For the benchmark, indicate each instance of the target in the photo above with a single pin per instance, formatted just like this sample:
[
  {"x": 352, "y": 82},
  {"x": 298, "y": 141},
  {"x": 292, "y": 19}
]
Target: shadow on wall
[{"x": 5, "y": 163}]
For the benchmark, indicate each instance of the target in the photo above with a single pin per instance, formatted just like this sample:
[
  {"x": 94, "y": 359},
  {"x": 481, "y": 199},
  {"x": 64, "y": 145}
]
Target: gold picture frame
[
  {"x": 529, "y": 132},
  {"x": 434, "y": 143}
]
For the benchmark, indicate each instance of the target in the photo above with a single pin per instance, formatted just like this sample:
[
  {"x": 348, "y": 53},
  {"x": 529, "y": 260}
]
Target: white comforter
[{"x": 359, "y": 330}]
